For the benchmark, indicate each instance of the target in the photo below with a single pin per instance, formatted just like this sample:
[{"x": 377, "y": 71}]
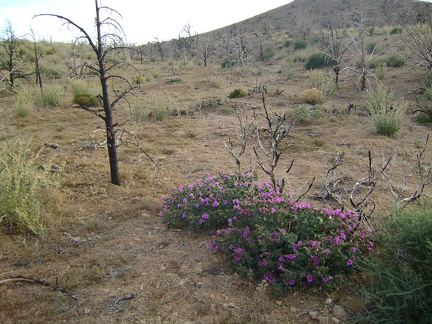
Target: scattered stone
[
  {"x": 334, "y": 320},
  {"x": 293, "y": 309},
  {"x": 279, "y": 303},
  {"x": 329, "y": 301},
  {"x": 314, "y": 314},
  {"x": 339, "y": 313},
  {"x": 323, "y": 319},
  {"x": 87, "y": 311}
]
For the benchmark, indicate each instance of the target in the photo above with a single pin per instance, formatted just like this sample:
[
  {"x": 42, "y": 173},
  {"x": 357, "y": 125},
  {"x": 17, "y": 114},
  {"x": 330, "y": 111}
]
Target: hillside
[{"x": 299, "y": 15}]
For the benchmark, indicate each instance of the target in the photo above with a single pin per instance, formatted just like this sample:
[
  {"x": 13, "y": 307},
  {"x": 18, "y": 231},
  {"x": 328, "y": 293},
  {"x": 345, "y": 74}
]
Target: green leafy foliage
[
  {"x": 237, "y": 93},
  {"x": 299, "y": 45},
  {"x": 319, "y": 60},
  {"x": 305, "y": 113},
  {"x": 388, "y": 116},
  {"x": 261, "y": 231},
  {"x": 401, "y": 290}
]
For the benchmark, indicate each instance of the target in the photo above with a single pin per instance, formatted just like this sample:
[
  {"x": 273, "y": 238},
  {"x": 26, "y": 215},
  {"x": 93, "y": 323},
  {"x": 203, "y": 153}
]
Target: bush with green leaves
[
  {"x": 264, "y": 234},
  {"x": 305, "y": 113},
  {"x": 206, "y": 203},
  {"x": 388, "y": 116},
  {"x": 371, "y": 47},
  {"x": 299, "y": 45},
  {"x": 237, "y": 93},
  {"x": 395, "y": 61},
  {"x": 318, "y": 60},
  {"x": 84, "y": 94},
  {"x": 401, "y": 276},
  {"x": 396, "y": 30},
  {"x": 22, "y": 184}
]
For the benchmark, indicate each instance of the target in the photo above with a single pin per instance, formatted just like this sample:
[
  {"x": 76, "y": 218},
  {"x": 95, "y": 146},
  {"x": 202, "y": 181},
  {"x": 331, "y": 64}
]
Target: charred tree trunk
[{"x": 109, "y": 125}]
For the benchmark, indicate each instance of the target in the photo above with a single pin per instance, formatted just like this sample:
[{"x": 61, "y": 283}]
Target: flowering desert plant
[
  {"x": 264, "y": 233},
  {"x": 207, "y": 203}
]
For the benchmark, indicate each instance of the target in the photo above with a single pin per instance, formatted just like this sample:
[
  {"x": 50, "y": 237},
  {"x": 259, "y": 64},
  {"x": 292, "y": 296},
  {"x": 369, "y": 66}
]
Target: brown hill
[{"x": 300, "y": 16}]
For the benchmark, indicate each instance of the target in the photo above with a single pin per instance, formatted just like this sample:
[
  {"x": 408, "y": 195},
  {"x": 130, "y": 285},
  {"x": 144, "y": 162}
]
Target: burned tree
[
  {"x": 335, "y": 43},
  {"x": 105, "y": 45},
  {"x": 12, "y": 58}
]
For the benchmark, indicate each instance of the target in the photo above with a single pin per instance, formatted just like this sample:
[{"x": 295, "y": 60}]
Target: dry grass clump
[
  {"x": 24, "y": 184},
  {"x": 312, "y": 96}
]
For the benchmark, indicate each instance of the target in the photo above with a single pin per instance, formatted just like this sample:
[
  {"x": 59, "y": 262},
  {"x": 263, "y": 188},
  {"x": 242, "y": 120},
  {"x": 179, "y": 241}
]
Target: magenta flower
[
  {"x": 292, "y": 282},
  {"x": 325, "y": 279},
  {"x": 309, "y": 278},
  {"x": 215, "y": 204},
  {"x": 353, "y": 249},
  {"x": 349, "y": 262},
  {"x": 281, "y": 259},
  {"x": 313, "y": 243},
  {"x": 205, "y": 216}
]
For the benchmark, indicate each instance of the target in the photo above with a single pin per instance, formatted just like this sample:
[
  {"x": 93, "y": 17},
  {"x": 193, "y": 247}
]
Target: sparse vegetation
[
  {"x": 105, "y": 254},
  {"x": 300, "y": 44},
  {"x": 22, "y": 188},
  {"x": 318, "y": 60},
  {"x": 312, "y": 96},
  {"x": 237, "y": 93},
  {"x": 401, "y": 274},
  {"x": 388, "y": 116}
]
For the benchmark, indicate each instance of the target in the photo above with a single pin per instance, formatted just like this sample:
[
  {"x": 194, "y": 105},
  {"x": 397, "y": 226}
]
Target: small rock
[
  {"x": 334, "y": 320},
  {"x": 328, "y": 301},
  {"x": 293, "y": 309},
  {"x": 87, "y": 311},
  {"x": 323, "y": 319},
  {"x": 339, "y": 313},
  {"x": 279, "y": 303},
  {"x": 314, "y": 314}
]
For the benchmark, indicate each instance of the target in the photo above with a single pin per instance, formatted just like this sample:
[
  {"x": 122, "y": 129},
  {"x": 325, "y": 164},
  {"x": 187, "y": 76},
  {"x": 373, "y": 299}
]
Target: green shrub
[
  {"x": 387, "y": 116},
  {"x": 237, "y": 93},
  {"x": 51, "y": 72},
  {"x": 229, "y": 62},
  {"x": 371, "y": 47},
  {"x": 267, "y": 55},
  {"x": 395, "y": 61},
  {"x": 396, "y": 30},
  {"x": 401, "y": 278},
  {"x": 263, "y": 234},
  {"x": 305, "y": 113},
  {"x": 319, "y": 60},
  {"x": 287, "y": 43},
  {"x": 299, "y": 45},
  {"x": 22, "y": 184},
  {"x": 84, "y": 94}
]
